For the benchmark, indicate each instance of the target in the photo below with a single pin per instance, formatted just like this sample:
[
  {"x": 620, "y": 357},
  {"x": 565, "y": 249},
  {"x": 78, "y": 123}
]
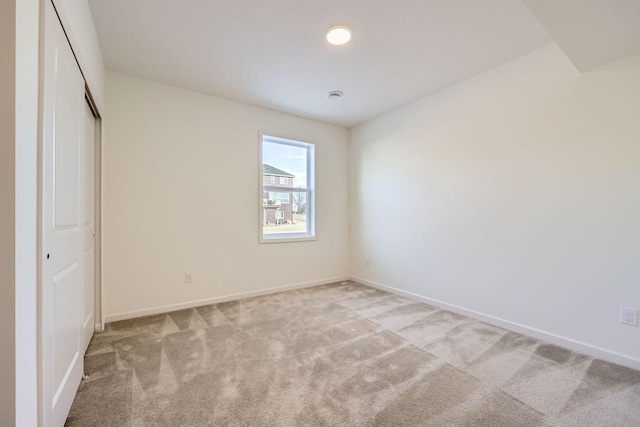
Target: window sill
[{"x": 287, "y": 238}]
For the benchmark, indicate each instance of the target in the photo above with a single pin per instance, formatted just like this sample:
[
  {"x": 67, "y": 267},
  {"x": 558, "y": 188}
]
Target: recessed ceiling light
[
  {"x": 338, "y": 35},
  {"x": 335, "y": 95}
]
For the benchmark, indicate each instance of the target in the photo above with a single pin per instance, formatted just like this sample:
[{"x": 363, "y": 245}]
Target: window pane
[
  {"x": 290, "y": 161},
  {"x": 299, "y": 202},
  {"x": 289, "y": 215}
]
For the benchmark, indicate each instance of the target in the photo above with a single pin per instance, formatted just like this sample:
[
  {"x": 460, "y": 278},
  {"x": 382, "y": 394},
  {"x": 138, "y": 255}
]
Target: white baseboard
[
  {"x": 581, "y": 347},
  {"x": 191, "y": 304},
  {"x": 98, "y": 327}
]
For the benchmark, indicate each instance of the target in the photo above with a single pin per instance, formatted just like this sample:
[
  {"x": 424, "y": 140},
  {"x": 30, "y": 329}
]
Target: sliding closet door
[
  {"x": 89, "y": 141},
  {"x": 63, "y": 225}
]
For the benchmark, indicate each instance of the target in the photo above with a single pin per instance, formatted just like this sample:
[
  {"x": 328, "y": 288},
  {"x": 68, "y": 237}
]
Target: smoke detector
[{"x": 335, "y": 95}]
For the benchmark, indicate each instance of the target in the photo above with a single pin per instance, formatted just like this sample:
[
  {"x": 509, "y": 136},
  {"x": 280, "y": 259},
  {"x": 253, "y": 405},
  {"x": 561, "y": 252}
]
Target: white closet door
[
  {"x": 89, "y": 142},
  {"x": 63, "y": 224}
]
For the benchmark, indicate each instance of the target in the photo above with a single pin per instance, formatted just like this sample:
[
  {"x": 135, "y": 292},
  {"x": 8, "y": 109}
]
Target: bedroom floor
[{"x": 341, "y": 354}]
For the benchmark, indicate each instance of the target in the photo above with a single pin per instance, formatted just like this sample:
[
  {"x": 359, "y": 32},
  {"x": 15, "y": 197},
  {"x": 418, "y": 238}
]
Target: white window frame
[
  {"x": 284, "y": 180},
  {"x": 310, "y": 234},
  {"x": 279, "y": 214}
]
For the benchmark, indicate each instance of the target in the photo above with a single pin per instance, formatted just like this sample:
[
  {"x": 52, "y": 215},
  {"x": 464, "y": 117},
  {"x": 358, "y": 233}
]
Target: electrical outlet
[
  {"x": 366, "y": 262},
  {"x": 188, "y": 278},
  {"x": 629, "y": 316}
]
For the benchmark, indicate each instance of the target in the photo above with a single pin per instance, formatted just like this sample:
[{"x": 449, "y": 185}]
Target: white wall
[
  {"x": 26, "y": 300},
  {"x": 515, "y": 194},
  {"x": 181, "y": 195},
  {"x": 19, "y": 23}
]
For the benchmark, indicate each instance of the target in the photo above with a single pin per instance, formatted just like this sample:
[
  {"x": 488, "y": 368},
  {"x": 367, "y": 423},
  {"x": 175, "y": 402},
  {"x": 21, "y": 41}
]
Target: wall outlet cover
[{"x": 629, "y": 316}]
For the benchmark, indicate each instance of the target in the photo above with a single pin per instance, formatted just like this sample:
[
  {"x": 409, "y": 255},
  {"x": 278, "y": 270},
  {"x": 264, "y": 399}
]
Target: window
[
  {"x": 287, "y": 190},
  {"x": 280, "y": 197}
]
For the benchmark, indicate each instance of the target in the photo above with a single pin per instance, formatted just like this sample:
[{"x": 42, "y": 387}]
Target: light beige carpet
[{"x": 341, "y": 355}]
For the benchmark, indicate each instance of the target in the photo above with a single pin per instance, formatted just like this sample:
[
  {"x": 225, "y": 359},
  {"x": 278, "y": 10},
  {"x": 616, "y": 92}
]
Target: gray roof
[{"x": 270, "y": 170}]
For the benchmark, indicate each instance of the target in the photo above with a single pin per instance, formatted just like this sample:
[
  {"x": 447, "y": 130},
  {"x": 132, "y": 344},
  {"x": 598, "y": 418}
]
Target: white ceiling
[
  {"x": 272, "y": 53},
  {"x": 591, "y": 33}
]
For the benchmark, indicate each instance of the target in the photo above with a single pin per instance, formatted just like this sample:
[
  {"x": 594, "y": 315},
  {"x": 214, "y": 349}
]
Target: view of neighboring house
[{"x": 277, "y": 196}]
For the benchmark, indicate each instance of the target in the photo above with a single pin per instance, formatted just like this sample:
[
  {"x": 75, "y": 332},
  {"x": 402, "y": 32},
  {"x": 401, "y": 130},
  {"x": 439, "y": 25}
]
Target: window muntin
[{"x": 287, "y": 208}]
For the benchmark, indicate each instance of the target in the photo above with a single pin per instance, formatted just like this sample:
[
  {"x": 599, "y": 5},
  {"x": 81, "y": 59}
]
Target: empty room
[{"x": 320, "y": 213}]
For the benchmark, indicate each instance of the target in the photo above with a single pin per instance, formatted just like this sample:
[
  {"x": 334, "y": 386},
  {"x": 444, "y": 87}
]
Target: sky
[{"x": 287, "y": 158}]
